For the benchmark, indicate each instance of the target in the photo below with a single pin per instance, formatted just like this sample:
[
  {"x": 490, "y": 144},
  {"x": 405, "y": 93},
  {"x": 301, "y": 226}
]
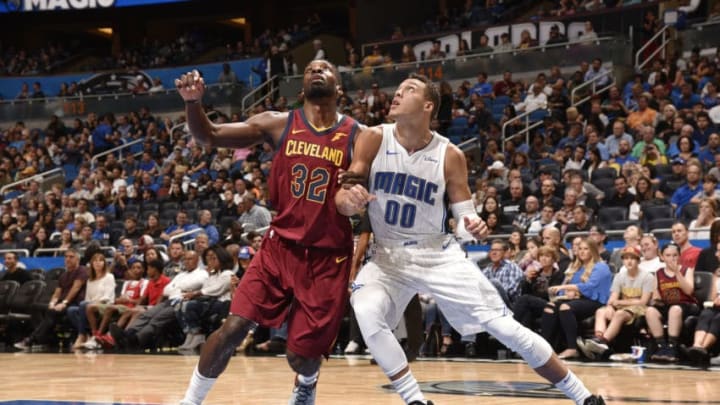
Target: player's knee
[
  {"x": 303, "y": 365},
  {"x": 531, "y": 346},
  {"x": 234, "y": 329},
  {"x": 564, "y": 307},
  {"x": 369, "y": 315}
]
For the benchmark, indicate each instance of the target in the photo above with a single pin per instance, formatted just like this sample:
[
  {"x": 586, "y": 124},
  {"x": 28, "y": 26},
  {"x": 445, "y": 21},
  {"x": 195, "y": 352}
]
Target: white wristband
[{"x": 461, "y": 210}]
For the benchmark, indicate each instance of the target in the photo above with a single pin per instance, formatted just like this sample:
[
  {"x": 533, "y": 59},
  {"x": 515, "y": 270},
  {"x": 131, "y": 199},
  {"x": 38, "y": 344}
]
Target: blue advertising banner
[
  {"x": 121, "y": 81},
  {"x": 14, "y": 6}
]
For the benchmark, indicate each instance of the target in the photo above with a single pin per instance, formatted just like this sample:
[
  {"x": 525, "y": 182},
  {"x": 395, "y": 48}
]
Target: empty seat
[
  {"x": 608, "y": 215},
  {"x": 169, "y": 205},
  {"x": 689, "y": 212},
  {"x": 604, "y": 183},
  {"x": 604, "y": 173},
  {"x": 7, "y": 291},
  {"x": 652, "y": 212},
  {"x": 660, "y": 223}
]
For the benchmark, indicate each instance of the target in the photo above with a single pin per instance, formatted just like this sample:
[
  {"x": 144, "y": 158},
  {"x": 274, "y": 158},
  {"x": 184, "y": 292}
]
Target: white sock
[
  {"x": 573, "y": 388},
  {"x": 408, "y": 388},
  {"x": 309, "y": 379},
  {"x": 198, "y": 388}
]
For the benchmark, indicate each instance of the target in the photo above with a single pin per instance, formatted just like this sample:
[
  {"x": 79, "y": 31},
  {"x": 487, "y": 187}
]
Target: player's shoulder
[
  {"x": 374, "y": 133},
  {"x": 453, "y": 151}
]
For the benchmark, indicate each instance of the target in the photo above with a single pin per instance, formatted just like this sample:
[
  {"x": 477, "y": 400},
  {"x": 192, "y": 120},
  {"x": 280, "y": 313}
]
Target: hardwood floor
[{"x": 161, "y": 379}]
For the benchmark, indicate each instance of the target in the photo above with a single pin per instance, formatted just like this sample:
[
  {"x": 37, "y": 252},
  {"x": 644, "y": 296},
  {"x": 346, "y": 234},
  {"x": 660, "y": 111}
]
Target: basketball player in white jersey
[{"x": 410, "y": 172}]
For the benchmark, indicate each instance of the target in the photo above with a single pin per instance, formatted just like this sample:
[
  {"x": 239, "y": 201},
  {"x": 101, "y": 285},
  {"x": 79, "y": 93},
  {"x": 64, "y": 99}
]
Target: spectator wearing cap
[
  {"x": 631, "y": 237},
  {"x": 687, "y": 191},
  {"x": 245, "y": 255},
  {"x": 205, "y": 222},
  {"x": 556, "y": 37},
  {"x": 254, "y": 216},
  {"x": 670, "y": 183},
  {"x": 630, "y": 295}
]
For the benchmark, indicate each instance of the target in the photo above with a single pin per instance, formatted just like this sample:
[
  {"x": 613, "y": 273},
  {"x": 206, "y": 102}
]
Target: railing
[
  {"x": 19, "y": 252},
  {"x": 54, "y": 251},
  {"x": 529, "y": 126},
  {"x": 663, "y": 33},
  {"x": 184, "y": 234},
  {"x": 594, "y": 90},
  {"x": 265, "y": 89},
  {"x": 120, "y": 148},
  {"x": 612, "y": 49},
  {"x": 186, "y": 130},
  {"x": 70, "y": 107},
  {"x": 469, "y": 144},
  {"x": 38, "y": 177}
]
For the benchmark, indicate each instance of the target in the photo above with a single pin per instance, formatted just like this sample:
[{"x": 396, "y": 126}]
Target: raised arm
[
  {"x": 352, "y": 198},
  {"x": 257, "y": 129}
]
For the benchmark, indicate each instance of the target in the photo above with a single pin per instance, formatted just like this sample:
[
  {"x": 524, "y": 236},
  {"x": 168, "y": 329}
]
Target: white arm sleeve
[{"x": 461, "y": 210}]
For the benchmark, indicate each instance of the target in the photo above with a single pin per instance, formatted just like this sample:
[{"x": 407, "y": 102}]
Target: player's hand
[
  {"x": 358, "y": 197},
  {"x": 348, "y": 179},
  {"x": 190, "y": 86},
  {"x": 476, "y": 227}
]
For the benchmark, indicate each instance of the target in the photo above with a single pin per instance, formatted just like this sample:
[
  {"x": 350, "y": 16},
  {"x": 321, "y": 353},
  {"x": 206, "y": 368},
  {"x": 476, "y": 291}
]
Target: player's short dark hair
[{"x": 432, "y": 93}]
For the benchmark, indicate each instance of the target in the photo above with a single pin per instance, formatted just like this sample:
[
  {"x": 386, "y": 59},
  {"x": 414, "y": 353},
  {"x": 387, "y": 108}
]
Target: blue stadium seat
[
  {"x": 538, "y": 115},
  {"x": 71, "y": 172},
  {"x": 501, "y": 100},
  {"x": 459, "y": 122}
]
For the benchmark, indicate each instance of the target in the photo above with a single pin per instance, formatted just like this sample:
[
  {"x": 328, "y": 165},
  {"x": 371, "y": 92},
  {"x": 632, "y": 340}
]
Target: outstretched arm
[
  {"x": 459, "y": 195},
  {"x": 352, "y": 198},
  {"x": 257, "y": 129}
]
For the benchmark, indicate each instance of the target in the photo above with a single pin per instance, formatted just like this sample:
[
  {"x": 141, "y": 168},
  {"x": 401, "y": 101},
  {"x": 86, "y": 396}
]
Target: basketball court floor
[{"x": 94, "y": 379}]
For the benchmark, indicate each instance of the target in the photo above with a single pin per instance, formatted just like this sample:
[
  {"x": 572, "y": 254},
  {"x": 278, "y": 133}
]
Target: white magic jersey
[{"x": 410, "y": 190}]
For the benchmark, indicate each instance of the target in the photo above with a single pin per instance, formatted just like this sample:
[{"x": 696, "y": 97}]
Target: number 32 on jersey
[{"x": 312, "y": 185}]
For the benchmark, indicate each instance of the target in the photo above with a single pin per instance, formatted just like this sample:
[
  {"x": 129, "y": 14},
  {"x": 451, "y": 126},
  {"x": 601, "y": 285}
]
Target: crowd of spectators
[
  {"x": 571, "y": 7},
  {"x": 23, "y": 62},
  {"x": 642, "y": 156}
]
